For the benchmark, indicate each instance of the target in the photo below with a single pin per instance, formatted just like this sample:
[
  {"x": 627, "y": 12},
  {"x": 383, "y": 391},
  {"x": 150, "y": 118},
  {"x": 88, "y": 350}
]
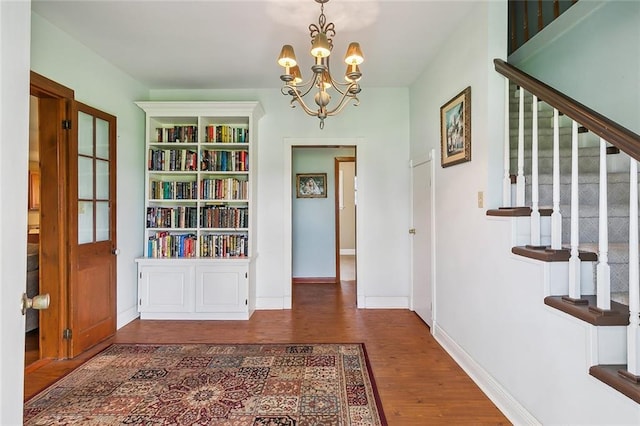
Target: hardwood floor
[{"x": 418, "y": 382}]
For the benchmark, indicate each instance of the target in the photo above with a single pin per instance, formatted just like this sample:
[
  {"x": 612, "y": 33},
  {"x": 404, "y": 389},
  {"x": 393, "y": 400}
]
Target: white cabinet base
[{"x": 195, "y": 289}]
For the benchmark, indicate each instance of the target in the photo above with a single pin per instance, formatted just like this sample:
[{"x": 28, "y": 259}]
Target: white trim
[
  {"x": 505, "y": 402},
  {"x": 386, "y": 303},
  {"x": 273, "y": 303},
  {"x": 124, "y": 318}
]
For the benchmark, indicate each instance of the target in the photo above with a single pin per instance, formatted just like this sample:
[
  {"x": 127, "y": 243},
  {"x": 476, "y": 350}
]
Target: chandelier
[{"x": 322, "y": 79}]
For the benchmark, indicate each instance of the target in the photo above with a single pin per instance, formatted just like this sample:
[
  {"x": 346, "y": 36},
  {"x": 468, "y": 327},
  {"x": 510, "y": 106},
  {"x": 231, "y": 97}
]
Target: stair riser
[
  {"x": 618, "y": 228},
  {"x": 545, "y": 140},
  {"x": 545, "y": 165},
  {"x": 617, "y": 193}
]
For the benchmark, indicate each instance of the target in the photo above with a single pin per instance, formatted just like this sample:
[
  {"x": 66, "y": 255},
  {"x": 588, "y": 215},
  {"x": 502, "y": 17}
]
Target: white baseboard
[
  {"x": 125, "y": 317},
  {"x": 273, "y": 303},
  {"x": 385, "y": 302},
  {"x": 347, "y": 252},
  {"x": 511, "y": 408}
]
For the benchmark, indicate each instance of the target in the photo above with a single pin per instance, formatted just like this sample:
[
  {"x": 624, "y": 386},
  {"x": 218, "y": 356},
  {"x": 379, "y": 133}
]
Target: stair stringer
[{"x": 550, "y": 331}]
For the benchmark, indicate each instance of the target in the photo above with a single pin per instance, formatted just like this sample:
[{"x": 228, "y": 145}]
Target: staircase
[
  {"x": 574, "y": 202},
  {"x": 589, "y": 169}
]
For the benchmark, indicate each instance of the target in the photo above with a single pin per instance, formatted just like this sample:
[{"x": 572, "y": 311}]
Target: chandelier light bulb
[
  {"x": 296, "y": 74},
  {"x": 320, "y": 47},
  {"x": 287, "y": 57},
  {"x": 354, "y": 54}
]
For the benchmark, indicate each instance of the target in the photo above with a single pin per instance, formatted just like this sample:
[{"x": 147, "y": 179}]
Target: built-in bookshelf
[{"x": 199, "y": 202}]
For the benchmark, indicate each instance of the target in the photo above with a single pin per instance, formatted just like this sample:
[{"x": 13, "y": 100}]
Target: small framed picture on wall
[
  {"x": 455, "y": 129},
  {"x": 311, "y": 185}
]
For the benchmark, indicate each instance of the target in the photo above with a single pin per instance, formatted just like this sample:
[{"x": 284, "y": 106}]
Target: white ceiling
[{"x": 234, "y": 44}]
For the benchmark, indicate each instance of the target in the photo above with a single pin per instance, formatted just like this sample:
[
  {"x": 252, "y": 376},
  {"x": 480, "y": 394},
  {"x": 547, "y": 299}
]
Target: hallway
[{"x": 418, "y": 383}]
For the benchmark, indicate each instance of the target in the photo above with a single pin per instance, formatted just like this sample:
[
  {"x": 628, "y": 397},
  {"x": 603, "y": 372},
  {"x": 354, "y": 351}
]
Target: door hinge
[
  {"x": 66, "y": 124},
  {"x": 66, "y": 334},
  {"x": 140, "y": 302},
  {"x": 246, "y": 302},
  {"x": 246, "y": 275}
]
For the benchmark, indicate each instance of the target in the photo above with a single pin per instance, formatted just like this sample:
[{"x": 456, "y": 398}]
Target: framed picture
[
  {"x": 455, "y": 129},
  {"x": 311, "y": 185}
]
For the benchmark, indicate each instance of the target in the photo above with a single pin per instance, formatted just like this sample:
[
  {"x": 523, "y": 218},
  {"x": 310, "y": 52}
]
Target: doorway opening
[
  {"x": 345, "y": 193},
  {"x": 32, "y": 320},
  {"x": 49, "y": 108},
  {"x": 323, "y": 233}
]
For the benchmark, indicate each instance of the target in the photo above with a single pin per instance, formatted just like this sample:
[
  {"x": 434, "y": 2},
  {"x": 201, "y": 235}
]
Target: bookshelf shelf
[{"x": 199, "y": 238}]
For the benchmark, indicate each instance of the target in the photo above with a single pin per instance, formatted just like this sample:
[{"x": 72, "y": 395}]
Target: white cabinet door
[
  {"x": 165, "y": 288},
  {"x": 222, "y": 288}
]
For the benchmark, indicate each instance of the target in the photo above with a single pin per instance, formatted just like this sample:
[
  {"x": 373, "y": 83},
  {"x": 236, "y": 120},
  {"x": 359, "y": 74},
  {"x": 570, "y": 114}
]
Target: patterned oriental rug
[{"x": 204, "y": 384}]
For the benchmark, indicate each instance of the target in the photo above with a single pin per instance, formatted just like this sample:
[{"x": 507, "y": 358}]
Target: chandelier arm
[
  {"x": 296, "y": 97},
  {"x": 344, "y": 100}
]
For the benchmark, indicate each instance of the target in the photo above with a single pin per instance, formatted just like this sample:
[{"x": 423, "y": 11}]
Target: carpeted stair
[{"x": 589, "y": 168}]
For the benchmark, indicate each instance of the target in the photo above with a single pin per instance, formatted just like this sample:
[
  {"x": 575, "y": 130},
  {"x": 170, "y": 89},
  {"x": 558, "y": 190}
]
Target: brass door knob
[{"x": 40, "y": 301}]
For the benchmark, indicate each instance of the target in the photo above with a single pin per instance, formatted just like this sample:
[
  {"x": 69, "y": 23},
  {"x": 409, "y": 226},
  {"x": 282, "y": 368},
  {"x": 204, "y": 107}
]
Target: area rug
[{"x": 198, "y": 384}]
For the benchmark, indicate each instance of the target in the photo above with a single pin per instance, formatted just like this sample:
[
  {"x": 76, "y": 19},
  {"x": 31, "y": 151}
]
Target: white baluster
[
  {"x": 556, "y": 217},
  {"x": 633, "y": 340},
  {"x": 520, "y": 181},
  {"x": 603, "y": 271},
  {"x": 506, "y": 181},
  {"x": 574, "y": 259},
  {"x": 535, "y": 208}
]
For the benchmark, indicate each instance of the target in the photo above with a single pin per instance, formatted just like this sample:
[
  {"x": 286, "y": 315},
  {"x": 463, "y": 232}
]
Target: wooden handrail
[{"x": 610, "y": 131}]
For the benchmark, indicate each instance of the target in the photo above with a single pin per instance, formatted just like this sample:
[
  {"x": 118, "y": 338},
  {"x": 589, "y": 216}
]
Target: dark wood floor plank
[{"x": 418, "y": 382}]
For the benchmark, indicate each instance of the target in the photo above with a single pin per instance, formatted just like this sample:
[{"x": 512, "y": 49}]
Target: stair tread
[{"x": 583, "y": 312}]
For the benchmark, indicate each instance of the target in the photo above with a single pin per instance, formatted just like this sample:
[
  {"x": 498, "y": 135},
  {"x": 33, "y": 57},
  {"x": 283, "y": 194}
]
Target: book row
[
  {"x": 164, "y": 244},
  {"x": 210, "y": 189},
  {"x": 177, "y": 134},
  {"x": 187, "y": 160},
  {"x": 173, "y": 160},
  {"x": 187, "y": 217},
  {"x": 224, "y": 189},
  {"x": 172, "y": 217},
  {"x": 226, "y": 134},
  {"x": 224, "y": 245},
  {"x": 224, "y": 217},
  {"x": 225, "y": 161},
  {"x": 161, "y": 190},
  {"x": 167, "y": 245}
]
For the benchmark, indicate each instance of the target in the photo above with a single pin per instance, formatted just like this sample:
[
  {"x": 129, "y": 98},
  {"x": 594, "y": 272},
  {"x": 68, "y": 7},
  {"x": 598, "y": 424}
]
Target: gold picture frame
[
  {"x": 311, "y": 185},
  {"x": 455, "y": 129}
]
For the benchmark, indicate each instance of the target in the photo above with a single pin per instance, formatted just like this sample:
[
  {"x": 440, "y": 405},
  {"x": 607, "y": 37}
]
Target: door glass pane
[
  {"x": 102, "y": 139},
  {"x": 85, "y": 178},
  {"x": 85, "y": 222},
  {"x": 85, "y": 134},
  {"x": 102, "y": 220},
  {"x": 102, "y": 180}
]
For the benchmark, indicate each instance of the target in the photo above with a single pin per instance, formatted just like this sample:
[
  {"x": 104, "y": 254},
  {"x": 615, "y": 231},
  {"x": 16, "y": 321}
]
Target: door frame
[
  {"x": 336, "y": 169},
  {"x": 54, "y": 104},
  {"x": 288, "y": 145}
]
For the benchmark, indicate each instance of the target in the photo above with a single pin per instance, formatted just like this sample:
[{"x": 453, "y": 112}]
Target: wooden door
[
  {"x": 422, "y": 298},
  {"x": 92, "y": 228}
]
